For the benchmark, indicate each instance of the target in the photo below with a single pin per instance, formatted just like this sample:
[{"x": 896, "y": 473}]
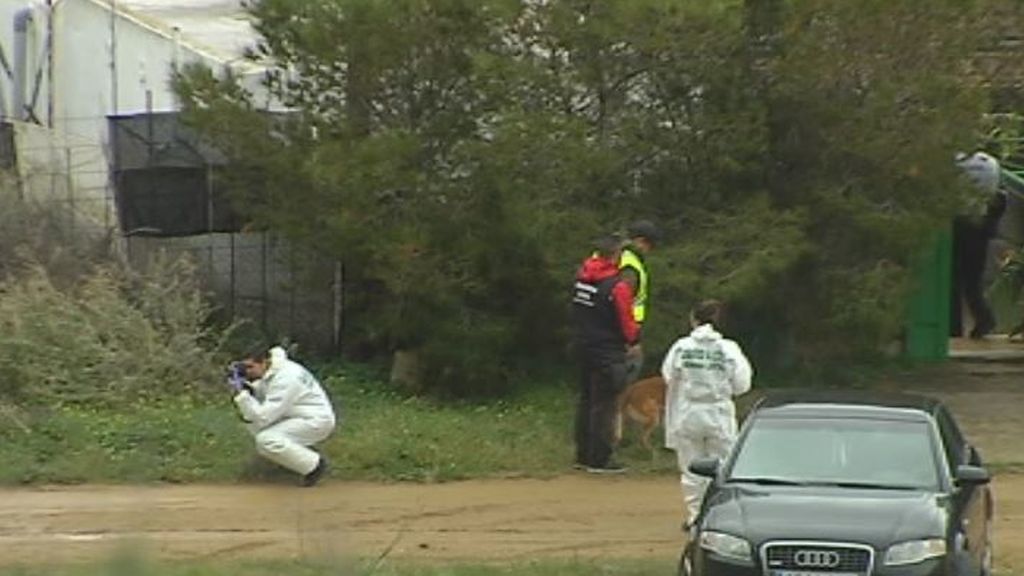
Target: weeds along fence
[{"x": 153, "y": 189}]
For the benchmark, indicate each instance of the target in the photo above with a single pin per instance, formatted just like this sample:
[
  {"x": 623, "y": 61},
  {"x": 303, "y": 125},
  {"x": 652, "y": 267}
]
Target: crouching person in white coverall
[
  {"x": 286, "y": 410},
  {"x": 703, "y": 372}
]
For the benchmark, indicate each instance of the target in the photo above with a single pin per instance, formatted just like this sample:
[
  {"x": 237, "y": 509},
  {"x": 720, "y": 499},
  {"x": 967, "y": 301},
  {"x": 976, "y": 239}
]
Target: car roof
[{"x": 803, "y": 403}]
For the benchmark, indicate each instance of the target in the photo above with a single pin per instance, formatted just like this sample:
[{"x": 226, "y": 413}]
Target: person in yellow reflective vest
[{"x": 642, "y": 235}]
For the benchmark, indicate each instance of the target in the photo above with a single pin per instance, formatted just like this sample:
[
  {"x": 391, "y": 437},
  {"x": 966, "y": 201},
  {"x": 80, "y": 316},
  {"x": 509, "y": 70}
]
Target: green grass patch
[
  {"x": 175, "y": 442},
  {"x": 383, "y": 436}
]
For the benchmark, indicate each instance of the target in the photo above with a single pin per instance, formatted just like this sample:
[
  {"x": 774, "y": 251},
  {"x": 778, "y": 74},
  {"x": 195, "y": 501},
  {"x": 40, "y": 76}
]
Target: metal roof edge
[{"x": 160, "y": 28}]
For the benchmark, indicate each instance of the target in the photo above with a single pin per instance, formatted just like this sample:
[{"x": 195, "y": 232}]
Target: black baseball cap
[{"x": 644, "y": 229}]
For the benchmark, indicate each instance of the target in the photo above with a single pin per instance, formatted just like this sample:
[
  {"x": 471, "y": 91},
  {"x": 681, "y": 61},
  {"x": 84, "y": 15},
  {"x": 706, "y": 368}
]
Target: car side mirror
[
  {"x": 973, "y": 456},
  {"x": 967, "y": 475},
  {"x": 706, "y": 467}
]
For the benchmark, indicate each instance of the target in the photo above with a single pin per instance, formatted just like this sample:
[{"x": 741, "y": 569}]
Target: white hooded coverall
[
  {"x": 287, "y": 413},
  {"x": 703, "y": 372}
]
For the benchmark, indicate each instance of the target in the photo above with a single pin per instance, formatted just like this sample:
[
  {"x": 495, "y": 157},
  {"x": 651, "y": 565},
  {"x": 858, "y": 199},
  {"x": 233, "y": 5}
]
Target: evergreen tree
[{"x": 458, "y": 155}]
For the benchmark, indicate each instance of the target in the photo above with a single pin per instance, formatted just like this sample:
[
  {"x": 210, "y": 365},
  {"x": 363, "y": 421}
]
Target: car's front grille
[{"x": 817, "y": 557}]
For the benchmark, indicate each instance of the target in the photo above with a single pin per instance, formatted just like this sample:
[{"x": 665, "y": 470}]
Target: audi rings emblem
[{"x": 816, "y": 558}]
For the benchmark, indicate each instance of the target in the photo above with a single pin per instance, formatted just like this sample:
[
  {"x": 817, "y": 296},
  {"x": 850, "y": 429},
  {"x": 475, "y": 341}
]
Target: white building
[{"x": 68, "y": 65}]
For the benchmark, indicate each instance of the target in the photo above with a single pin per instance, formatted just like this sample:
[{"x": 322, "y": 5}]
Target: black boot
[
  {"x": 313, "y": 477},
  {"x": 983, "y": 328}
]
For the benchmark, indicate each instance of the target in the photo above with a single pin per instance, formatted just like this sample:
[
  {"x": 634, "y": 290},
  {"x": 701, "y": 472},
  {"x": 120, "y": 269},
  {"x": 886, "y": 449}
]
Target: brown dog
[{"x": 642, "y": 402}]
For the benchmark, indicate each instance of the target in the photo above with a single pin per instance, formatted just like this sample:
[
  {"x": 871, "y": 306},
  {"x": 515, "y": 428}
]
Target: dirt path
[{"x": 481, "y": 520}]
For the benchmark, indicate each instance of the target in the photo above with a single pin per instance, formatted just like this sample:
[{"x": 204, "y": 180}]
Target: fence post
[
  {"x": 231, "y": 274},
  {"x": 339, "y": 304},
  {"x": 263, "y": 284},
  {"x": 70, "y": 183}
]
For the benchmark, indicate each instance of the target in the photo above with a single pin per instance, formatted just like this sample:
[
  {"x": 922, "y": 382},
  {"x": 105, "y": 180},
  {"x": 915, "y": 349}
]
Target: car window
[
  {"x": 952, "y": 440},
  {"x": 873, "y": 452}
]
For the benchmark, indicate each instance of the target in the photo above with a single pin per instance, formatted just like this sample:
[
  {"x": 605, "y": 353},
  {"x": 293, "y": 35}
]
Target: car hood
[{"x": 875, "y": 517}]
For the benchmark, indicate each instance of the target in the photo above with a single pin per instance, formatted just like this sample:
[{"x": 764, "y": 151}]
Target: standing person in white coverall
[
  {"x": 703, "y": 372},
  {"x": 286, "y": 410}
]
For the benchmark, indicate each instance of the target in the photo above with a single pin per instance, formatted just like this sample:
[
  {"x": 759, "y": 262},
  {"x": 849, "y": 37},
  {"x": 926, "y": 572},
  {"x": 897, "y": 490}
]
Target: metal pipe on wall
[
  {"x": 4, "y": 69},
  {"x": 176, "y": 48},
  {"x": 51, "y": 60},
  {"x": 114, "y": 105},
  {"x": 22, "y": 19}
]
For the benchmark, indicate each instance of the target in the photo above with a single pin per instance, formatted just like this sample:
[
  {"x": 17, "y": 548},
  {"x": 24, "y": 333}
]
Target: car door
[{"x": 969, "y": 513}]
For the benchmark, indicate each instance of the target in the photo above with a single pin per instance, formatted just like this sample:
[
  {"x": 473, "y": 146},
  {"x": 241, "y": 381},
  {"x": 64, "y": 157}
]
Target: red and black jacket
[{"x": 603, "y": 311}]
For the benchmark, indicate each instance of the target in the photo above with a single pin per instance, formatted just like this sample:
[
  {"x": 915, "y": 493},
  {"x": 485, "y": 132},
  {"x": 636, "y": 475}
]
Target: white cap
[{"x": 981, "y": 169}]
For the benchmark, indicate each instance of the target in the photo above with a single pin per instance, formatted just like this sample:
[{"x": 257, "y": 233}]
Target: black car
[{"x": 844, "y": 484}]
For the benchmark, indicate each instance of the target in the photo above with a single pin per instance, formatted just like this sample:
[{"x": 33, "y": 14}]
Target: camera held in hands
[
  {"x": 236, "y": 371},
  {"x": 237, "y": 377}
]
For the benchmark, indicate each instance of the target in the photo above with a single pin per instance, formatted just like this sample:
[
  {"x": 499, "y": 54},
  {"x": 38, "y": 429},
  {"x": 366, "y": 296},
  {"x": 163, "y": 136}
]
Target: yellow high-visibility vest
[{"x": 630, "y": 259}]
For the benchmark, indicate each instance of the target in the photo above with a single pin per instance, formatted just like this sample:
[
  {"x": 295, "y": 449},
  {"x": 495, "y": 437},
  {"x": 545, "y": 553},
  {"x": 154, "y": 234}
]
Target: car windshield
[{"x": 846, "y": 452}]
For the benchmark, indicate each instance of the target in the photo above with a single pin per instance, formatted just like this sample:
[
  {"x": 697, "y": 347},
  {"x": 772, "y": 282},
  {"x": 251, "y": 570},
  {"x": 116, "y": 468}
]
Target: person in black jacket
[
  {"x": 971, "y": 235},
  {"x": 604, "y": 332}
]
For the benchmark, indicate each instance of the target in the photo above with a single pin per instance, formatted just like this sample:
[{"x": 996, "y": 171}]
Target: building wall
[
  {"x": 64, "y": 168},
  {"x": 144, "y": 55},
  {"x": 88, "y": 48},
  {"x": 92, "y": 77},
  {"x": 66, "y": 146},
  {"x": 100, "y": 67}
]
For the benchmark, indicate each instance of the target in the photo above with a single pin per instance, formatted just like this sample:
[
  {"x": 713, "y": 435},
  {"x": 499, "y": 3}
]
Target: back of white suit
[{"x": 703, "y": 372}]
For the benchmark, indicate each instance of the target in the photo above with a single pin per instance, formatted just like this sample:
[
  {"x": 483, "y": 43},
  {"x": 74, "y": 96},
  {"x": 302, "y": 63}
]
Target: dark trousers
[
  {"x": 600, "y": 385},
  {"x": 970, "y": 246},
  {"x": 634, "y": 367}
]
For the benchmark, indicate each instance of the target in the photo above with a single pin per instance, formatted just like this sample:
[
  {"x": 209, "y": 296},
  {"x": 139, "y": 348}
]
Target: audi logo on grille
[{"x": 816, "y": 559}]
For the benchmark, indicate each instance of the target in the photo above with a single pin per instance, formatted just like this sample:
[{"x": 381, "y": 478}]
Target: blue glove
[{"x": 236, "y": 377}]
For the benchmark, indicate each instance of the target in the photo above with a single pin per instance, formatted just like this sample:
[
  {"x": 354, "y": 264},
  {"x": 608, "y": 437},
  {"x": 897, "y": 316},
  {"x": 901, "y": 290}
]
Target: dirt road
[{"x": 480, "y": 520}]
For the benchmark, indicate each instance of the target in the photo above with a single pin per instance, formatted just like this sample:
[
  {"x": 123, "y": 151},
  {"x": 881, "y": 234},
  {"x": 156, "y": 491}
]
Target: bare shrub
[
  {"x": 40, "y": 234},
  {"x": 112, "y": 338},
  {"x": 78, "y": 325}
]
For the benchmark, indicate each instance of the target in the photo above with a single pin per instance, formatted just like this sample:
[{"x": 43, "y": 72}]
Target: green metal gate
[{"x": 927, "y": 335}]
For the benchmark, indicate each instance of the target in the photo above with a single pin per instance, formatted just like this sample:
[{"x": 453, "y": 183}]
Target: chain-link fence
[{"x": 261, "y": 279}]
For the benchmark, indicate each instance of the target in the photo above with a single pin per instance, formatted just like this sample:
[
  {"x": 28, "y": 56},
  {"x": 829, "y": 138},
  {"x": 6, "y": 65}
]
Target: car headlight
[
  {"x": 726, "y": 545},
  {"x": 915, "y": 551}
]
